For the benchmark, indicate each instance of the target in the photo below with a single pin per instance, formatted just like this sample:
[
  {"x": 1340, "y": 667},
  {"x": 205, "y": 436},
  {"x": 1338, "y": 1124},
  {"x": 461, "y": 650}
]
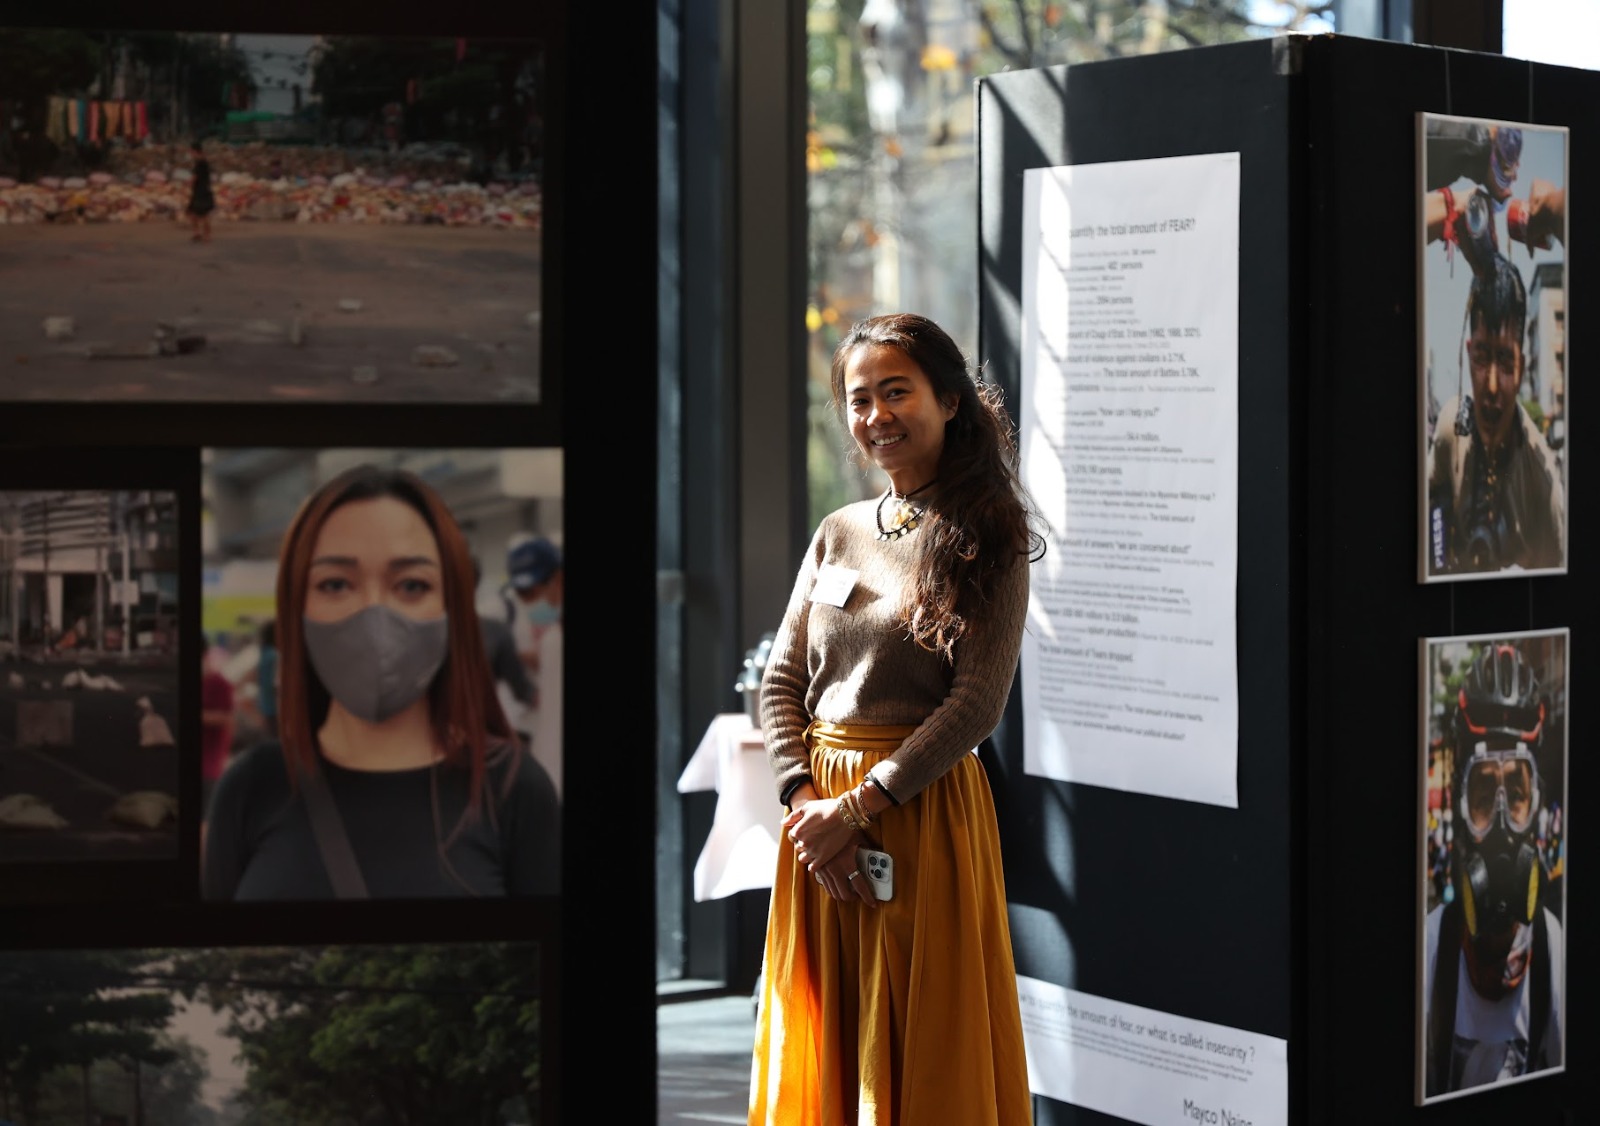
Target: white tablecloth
[{"x": 741, "y": 854}]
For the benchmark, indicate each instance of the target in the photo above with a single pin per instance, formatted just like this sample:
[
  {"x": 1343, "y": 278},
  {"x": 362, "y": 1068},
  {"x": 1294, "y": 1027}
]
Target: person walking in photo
[
  {"x": 893, "y": 662},
  {"x": 538, "y": 580},
  {"x": 512, "y": 683},
  {"x": 202, "y": 202}
]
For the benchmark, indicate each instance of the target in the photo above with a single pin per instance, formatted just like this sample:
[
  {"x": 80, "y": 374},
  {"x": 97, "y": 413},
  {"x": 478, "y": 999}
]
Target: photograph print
[
  {"x": 89, "y": 657},
  {"x": 1491, "y": 918},
  {"x": 416, "y": 1032},
  {"x": 382, "y": 667},
  {"x": 237, "y": 217},
  {"x": 1492, "y": 272}
]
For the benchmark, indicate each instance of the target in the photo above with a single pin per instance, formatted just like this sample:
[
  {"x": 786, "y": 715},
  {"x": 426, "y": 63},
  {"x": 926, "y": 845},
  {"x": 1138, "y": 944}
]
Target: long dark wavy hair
[{"x": 984, "y": 515}]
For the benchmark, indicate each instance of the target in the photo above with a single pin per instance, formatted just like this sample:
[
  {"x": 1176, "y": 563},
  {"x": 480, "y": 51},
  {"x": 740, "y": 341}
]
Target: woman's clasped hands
[{"x": 827, "y": 847}]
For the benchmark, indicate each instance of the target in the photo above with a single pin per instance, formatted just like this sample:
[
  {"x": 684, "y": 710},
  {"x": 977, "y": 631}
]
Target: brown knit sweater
[{"x": 856, "y": 664}]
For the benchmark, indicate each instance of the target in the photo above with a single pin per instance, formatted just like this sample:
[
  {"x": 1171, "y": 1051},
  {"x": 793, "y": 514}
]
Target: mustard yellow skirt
[{"x": 905, "y": 1014}]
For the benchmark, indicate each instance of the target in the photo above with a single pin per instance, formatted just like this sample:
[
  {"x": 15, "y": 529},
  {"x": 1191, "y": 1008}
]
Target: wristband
[
  {"x": 788, "y": 791},
  {"x": 882, "y": 789}
]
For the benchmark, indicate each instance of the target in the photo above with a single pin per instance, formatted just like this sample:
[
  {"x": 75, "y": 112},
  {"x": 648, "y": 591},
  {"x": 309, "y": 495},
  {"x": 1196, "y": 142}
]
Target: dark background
[
  {"x": 599, "y": 301},
  {"x": 1295, "y": 915}
]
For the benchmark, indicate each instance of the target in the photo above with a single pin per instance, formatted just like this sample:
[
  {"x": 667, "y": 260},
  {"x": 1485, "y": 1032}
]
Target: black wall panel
[
  {"x": 1295, "y": 914},
  {"x": 1176, "y": 906}
]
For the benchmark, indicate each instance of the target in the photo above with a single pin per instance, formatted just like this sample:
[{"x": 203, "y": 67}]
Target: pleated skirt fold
[{"x": 905, "y": 1014}]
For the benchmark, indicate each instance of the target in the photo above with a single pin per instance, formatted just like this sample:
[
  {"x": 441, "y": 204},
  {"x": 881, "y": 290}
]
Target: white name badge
[{"x": 833, "y": 584}]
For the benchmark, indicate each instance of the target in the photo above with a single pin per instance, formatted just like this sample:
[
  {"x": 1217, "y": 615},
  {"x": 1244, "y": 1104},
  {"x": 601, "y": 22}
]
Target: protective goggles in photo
[{"x": 1498, "y": 787}]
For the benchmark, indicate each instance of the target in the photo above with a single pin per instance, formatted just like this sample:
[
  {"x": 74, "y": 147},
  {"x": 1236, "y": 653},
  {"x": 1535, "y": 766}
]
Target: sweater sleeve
[
  {"x": 787, "y": 678},
  {"x": 985, "y": 666}
]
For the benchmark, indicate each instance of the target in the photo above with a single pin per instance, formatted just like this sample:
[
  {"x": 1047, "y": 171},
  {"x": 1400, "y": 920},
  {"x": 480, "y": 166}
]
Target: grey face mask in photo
[{"x": 377, "y": 661}]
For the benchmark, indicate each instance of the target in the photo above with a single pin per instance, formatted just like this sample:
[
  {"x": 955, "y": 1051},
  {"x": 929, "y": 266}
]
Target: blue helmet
[{"x": 1506, "y": 155}]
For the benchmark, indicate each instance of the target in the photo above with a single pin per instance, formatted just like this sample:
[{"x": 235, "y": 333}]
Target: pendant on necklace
[{"x": 903, "y": 520}]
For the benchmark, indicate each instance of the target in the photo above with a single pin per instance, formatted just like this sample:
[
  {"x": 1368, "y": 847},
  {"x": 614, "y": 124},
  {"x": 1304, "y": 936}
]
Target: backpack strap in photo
[
  {"x": 1442, "y": 1008},
  {"x": 332, "y": 842},
  {"x": 1540, "y": 988}
]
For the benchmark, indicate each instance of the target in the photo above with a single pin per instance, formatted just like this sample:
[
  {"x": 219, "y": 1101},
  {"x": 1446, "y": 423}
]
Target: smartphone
[{"x": 879, "y": 867}]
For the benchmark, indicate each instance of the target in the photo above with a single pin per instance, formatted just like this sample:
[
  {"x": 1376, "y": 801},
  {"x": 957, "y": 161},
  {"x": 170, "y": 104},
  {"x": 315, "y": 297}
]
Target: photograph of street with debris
[
  {"x": 269, "y": 218},
  {"x": 89, "y": 758}
]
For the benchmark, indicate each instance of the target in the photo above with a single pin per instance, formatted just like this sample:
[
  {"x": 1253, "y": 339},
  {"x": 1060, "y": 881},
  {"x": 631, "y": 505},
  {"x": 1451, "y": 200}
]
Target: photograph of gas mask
[
  {"x": 372, "y": 687},
  {"x": 1491, "y": 983},
  {"x": 1492, "y": 266}
]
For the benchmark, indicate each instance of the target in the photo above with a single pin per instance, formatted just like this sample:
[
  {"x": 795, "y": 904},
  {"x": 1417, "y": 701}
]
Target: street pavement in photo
[{"x": 288, "y": 312}]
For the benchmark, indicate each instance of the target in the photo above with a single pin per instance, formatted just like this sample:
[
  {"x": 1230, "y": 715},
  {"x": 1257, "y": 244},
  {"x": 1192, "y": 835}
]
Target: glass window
[
  {"x": 891, "y": 158},
  {"x": 1563, "y": 32}
]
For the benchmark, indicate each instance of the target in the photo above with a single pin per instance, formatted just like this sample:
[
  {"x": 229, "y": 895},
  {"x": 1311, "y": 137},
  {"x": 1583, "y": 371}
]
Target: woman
[
  {"x": 201, "y": 201},
  {"x": 893, "y": 662},
  {"x": 395, "y": 774}
]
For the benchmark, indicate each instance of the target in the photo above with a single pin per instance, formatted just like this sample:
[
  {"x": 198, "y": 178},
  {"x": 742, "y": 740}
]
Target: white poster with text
[
  {"x": 1129, "y": 430},
  {"x": 1148, "y": 1066}
]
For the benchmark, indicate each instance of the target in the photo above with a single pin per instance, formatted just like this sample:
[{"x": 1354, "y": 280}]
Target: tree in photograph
[
  {"x": 133, "y": 1091},
  {"x": 187, "y": 81},
  {"x": 357, "y": 1036},
  {"x": 1034, "y": 33},
  {"x": 477, "y": 93},
  {"x": 35, "y": 66},
  {"x": 71, "y": 1009},
  {"x": 203, "y": 78}
]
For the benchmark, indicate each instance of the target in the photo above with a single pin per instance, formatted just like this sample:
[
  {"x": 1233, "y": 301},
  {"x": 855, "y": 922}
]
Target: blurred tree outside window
[{"x": 891, "y": 155}]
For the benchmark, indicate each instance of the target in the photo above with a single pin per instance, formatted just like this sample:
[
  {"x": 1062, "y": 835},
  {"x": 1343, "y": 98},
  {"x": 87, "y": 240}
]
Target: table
[{"x": 741, "y": 852}]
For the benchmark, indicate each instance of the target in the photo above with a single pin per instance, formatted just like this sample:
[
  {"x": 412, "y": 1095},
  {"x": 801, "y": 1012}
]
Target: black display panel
[
  {"x": 495, "y": 393},
  {"x": 1291, "y": 915}
]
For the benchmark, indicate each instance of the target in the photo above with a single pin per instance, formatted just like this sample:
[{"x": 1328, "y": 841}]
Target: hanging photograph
[
  {"x": 381, "y": 682},
  {"x": 1492, "y": 222},
  {"x": 1491, "y": 984},
  {"x": 237, "y": 217},
  {"x": 230, "y": 1036},
  {"x": 89, "y": 730}
]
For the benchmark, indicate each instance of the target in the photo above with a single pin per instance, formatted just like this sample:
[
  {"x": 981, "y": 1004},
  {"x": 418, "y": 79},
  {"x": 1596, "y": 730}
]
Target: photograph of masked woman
[{"x": 388, "y": 708}]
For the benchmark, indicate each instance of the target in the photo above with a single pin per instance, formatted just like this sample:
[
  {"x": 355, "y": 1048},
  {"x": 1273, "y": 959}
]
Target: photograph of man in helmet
[{"x": 1493, "y": 982}]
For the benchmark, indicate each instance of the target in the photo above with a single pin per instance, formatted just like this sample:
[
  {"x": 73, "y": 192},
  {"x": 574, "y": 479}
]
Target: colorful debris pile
[{"x": 256, "y": 183}]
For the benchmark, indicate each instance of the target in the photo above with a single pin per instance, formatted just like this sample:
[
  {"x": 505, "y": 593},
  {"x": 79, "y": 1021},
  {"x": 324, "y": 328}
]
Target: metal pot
[{"x": 749, "y": 683}]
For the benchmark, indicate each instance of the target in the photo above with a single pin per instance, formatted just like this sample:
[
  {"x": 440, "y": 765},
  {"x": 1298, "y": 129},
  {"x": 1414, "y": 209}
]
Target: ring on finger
[
  {"x": 818, "y": 875},
  {"x": 853, "y": 874}
]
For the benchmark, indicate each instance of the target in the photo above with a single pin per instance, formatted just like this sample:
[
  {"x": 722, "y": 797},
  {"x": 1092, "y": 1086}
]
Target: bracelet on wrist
[
  {"x": 785, "y": 798},
  {"x": 853, "y": 811}
]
